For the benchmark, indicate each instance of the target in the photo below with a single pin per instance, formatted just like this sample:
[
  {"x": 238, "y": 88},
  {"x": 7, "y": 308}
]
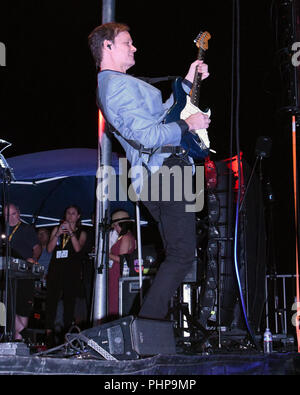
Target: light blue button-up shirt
[{"x": 135, "y": 108}]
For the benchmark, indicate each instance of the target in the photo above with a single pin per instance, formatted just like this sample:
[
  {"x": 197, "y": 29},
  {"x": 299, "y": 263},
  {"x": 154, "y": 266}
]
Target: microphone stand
[
  {"x": 7, "y": 177},
  {"x": 101, "y": 267},
  {"x": 263, "y": 147},
  {"x": 249, "y": 181},
  {"x": 261, "y": 153},
  {"x": 103, "y": 230}
]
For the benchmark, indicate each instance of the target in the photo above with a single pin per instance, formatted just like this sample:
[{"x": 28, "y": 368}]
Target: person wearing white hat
[{"x": 125, "y": 244}]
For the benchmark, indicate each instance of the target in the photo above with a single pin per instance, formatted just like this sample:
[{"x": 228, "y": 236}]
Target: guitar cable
[{"x": 236, "y": 35}]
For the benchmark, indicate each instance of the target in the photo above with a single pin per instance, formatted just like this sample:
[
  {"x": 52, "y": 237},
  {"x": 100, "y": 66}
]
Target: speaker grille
[
  {"x": 115, "y": 340},
  {"x": 151, "y": 337}
]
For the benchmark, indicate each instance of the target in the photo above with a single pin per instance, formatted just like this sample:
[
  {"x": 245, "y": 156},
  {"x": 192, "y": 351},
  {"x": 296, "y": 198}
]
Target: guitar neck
[{"x": 195, "y": 92}]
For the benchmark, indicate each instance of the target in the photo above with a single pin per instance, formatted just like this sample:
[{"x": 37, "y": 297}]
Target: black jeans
[
  {"x": 177, "y": 230},
  {"x": 63, "y": 280}
]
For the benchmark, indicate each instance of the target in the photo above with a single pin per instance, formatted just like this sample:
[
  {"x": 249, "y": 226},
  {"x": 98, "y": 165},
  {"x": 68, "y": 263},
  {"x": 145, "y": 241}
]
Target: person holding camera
[{"x": 64, "y": 275}]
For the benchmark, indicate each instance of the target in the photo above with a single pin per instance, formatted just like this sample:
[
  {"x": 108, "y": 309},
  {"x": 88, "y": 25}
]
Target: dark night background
[{"x": 47, "y": 89}]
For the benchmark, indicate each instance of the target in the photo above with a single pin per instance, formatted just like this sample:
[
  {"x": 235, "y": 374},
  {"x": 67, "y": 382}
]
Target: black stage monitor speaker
[{"x": 131, "y": 338}]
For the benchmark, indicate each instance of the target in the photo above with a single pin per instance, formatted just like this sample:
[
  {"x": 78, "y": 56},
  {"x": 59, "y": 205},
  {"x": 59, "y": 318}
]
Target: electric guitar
[{"x": 185, "y": 105}]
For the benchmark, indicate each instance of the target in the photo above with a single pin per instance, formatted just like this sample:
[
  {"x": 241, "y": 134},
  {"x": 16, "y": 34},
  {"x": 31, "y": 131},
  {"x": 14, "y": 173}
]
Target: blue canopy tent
[{"x": 47, "y": 182}]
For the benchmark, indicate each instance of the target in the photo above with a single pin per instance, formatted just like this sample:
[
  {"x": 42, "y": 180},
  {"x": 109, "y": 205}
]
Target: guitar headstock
[{"x": 202, "y": 40}]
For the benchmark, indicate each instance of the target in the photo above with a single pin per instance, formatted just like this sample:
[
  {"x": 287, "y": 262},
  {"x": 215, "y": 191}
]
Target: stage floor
[
  {"x": 222, "y": 363},
  {"x": 104, "y": 351}
]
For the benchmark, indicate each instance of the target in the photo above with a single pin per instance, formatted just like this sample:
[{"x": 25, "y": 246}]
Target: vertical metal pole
[
  {"x": 108, "y": 10},
  {"x": 219, "y": 292},
  {"x": 102, "y": 207},
  {"x": 276, "y": 304},
  {"x": 139, "y": 247},
  {"x": 284, "y": 305},
  {"x": 267, "y": 302}
]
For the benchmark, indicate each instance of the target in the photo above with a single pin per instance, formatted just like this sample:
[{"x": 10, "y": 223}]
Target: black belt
[{"x": 165, "y": 149}]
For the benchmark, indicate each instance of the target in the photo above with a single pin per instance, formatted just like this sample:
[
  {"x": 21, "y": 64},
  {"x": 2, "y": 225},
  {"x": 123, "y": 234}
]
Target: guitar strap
[
  {"x": 111, "y": 128},
  {"x": 139, "y": 147}
]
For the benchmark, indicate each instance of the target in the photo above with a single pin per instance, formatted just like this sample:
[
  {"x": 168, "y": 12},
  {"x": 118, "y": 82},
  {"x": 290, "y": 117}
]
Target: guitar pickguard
[
  {"x": 194, "y": 145},
  {"x": 190, "y": 109}
]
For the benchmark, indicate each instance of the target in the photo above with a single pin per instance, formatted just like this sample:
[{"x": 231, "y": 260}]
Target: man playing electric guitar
[{"x": 136, "y": 112}]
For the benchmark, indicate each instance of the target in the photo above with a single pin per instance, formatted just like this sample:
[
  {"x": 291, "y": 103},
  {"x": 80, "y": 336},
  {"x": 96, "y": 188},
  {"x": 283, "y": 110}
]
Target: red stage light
[
  {"x": 232, "y": 164},
  {"x": 101, "y": 125}
]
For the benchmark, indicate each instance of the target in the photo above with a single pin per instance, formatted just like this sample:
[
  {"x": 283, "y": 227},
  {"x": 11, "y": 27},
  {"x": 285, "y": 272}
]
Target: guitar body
[
  {"x": 197, "y": 145},
  {"x": 197, "y": 148}
]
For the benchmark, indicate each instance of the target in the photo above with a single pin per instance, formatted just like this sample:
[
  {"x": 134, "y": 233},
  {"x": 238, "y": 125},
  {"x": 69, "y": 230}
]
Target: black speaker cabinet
[
  {"x": 129, "y": 294},
  {"x": 131, "y": 338}
]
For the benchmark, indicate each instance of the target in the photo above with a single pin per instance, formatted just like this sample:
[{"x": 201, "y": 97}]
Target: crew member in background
[
  {"x": 24, "y": 245},
  {"x": 124, "y": 244},
  {"x": 43, "y": 235}
]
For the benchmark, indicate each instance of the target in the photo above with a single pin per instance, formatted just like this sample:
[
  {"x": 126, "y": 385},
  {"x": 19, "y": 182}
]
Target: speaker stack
[{"x": 218, "y": 293}]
